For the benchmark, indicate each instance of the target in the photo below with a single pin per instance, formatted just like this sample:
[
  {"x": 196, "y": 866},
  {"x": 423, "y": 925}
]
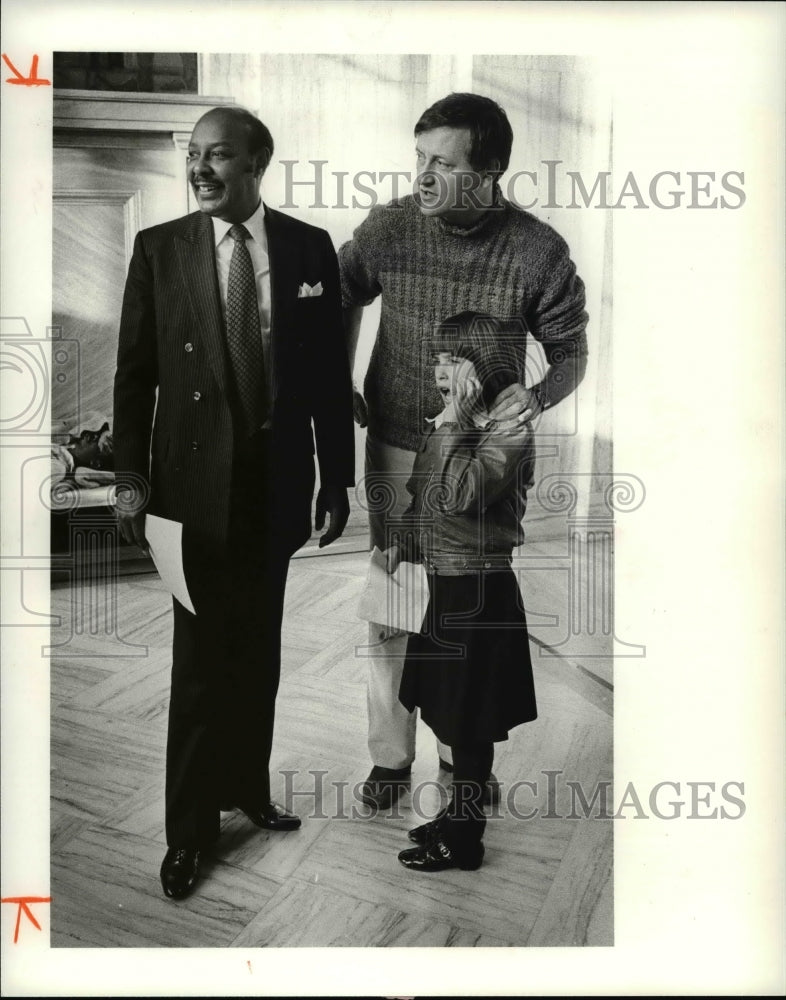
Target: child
[{"x": 469, "y": 669}]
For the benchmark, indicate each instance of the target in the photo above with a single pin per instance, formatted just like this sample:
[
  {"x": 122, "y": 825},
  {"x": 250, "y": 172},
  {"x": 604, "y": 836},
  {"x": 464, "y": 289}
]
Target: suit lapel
[
  {"x": 195, "y": 249},
  {"x": 283, "y": 258}
]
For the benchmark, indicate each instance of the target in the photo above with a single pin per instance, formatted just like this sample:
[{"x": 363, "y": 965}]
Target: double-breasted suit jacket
[
  {"x": 245, "y": 503},
  {"x": 173, "y": 409}
]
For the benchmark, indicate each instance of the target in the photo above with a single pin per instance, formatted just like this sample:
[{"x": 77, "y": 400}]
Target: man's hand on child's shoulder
[{"x": 515, "y": 406}]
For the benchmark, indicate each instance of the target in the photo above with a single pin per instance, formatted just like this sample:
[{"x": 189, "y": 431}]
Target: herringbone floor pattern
[{"x": 546, "y": 881}]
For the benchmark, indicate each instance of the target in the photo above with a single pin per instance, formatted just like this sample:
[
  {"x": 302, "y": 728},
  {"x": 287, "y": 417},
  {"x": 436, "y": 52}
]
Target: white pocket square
[{"x": 308, "y": 292}]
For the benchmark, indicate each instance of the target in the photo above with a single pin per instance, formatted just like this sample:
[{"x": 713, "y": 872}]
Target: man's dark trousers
[{"x": 226, "y": 660}]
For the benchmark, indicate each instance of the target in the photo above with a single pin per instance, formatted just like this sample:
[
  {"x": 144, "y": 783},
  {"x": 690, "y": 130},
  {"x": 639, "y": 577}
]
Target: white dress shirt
[{"x": 257, "y": 248}]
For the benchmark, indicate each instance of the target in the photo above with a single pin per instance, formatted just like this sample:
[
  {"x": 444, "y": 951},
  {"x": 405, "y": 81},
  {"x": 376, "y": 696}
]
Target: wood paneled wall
[{"x": 118, "y": 166}]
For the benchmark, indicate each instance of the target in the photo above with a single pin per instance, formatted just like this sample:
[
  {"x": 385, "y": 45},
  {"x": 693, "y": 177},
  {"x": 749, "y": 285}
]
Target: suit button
[
  {"x": 197, "y": 396},
  {"x": 189, "y": 348},
  {"x": 194, "y": 446}
]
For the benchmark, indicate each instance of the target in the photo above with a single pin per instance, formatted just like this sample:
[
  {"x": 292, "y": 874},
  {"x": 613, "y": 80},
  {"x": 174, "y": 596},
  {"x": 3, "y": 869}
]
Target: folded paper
[
  {"x": 397, "y": 600},
  {"x": 165, "y": 540}
]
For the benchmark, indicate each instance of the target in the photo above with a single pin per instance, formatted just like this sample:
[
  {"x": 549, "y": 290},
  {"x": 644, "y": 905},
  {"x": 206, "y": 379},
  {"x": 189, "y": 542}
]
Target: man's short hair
[
  {"x": 490, "y": 134},
  {"x": 259, "y": 138}
]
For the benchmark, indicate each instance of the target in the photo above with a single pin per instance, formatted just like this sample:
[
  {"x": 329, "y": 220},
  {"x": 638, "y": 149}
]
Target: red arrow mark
[
  {"x": 25, "y": 81},
  {"x": 21, "y": 902}
]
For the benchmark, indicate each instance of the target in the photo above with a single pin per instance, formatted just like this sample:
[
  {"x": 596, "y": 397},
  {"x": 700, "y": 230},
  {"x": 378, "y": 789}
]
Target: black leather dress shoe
[
  {"x": 179, "y": 871},
  {"x": 384, "y": 785},
  {"x": 436, "y": 856},
  {"x": 428, "y": 831},
  {"x": 269, "y": 817}
]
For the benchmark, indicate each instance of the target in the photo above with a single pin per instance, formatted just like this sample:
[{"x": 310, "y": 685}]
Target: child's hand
[
  {"x": 468, "y": 403},
  {"x": 468, "y": 389},
  {"x": 392, "y": 559}
]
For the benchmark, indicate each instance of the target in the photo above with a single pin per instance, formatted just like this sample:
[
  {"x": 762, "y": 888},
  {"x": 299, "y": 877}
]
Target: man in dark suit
[{"x": 230, "y": 345}]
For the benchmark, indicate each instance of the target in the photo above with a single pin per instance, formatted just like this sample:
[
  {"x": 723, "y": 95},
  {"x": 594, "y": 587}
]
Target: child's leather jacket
[{"x": 469, "y": 494}]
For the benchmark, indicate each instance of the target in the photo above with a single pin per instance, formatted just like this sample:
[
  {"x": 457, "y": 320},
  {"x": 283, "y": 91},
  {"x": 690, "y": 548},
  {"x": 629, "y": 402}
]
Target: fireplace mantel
[{"x": 110, "y": 118}]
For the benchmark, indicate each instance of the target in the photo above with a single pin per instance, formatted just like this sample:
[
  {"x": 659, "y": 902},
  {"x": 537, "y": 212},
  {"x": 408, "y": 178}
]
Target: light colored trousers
[{"x": 391, "y": 728}]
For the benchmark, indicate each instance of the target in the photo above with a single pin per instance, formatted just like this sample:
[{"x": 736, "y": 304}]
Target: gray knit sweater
[{"x": 509, "y": 264}]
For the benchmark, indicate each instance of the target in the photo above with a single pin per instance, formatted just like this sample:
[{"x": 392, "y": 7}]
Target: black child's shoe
[
  {"x": 436, "y": 856},
  {"x": 422, "y": 835}
]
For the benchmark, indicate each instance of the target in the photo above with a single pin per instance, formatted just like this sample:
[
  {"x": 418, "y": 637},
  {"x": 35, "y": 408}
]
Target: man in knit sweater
[{"x": 455, "y": 244}]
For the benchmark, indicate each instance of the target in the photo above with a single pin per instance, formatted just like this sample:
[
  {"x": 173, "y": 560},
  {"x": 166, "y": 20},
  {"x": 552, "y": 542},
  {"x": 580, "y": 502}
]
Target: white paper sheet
[
  {"x": 398, "y": 600},
  {"x": 165, "y": 539}
]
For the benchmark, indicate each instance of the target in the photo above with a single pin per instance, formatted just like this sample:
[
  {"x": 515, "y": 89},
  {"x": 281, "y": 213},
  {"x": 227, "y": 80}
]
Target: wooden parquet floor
[{"x": 546, "y": 880}]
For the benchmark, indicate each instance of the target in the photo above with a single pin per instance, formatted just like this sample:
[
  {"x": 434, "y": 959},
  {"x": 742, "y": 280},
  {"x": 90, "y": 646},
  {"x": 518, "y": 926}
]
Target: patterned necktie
[{"x": 244, "y": 334}]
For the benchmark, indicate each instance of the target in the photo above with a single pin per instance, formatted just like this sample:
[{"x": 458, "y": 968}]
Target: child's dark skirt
[{"x": 469, "y": 670}]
